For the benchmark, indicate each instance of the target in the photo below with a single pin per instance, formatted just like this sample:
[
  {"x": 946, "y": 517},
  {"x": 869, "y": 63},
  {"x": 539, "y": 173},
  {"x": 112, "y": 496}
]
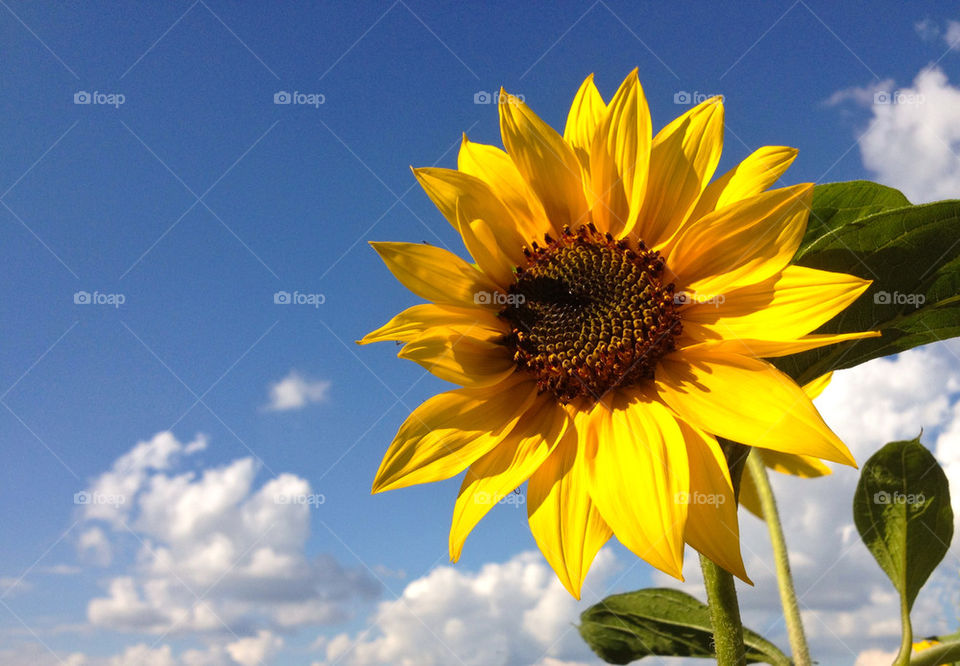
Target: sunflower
[{"x": 613, "y": 326}]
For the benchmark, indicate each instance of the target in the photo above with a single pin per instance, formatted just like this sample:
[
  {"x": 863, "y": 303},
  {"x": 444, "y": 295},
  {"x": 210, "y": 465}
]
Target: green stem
[
  {"x": 788, "y": 595},
  {"x": 724, "y": 614},
  {"x": 721, "y": 591},
  {"x": 906, "y": 639}
]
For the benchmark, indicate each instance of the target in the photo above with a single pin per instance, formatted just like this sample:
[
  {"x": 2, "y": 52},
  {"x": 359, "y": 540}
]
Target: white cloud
[
  {"x": 295, "y": 392},
  {"x": 515, "y": 612},
  {"x": 928, "y": 30},
  {"x": 255, "y": 649},
  {"x": 214, "y": 551},
  {"x": 912, "y": 141},
  {"x": 952, "y": 35},
  {"x": 143, "y": 655},
  {"x": 93, "y": 546}
]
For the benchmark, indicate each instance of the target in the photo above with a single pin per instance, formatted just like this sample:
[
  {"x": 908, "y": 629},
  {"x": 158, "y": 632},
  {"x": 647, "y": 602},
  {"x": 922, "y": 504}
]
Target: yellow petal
[
  {"x": 545, "y": 161},
  {"x": 806, "y": 467},
  {"x": 585, "y": 114},
  {"x": 744, "y": 243},
  {"x": 492, "y": 478},
  {"x": 497, "y": 170},
  {"x": 636, "y": 462},
  {"x": 748, "y": 496},
  {"x": 437, "y": 274},
  {"x": 815, "y": 387},
  {"x": 485, "y": 243},
  {"x": 472, "y": 359},
  {"x": 759, "y": 171},
  {"x": 453, "y": 190},
  {"x": 746, "y": 400},
  {"x": 417, "y": 320},
  {"x": 620, "y": 159},
  {"x": 712, "y": 525},
  {"x": 448, "y": 432},
  {"x": 774, "y": 348},
  {"x": 786, "y": 306},
  {"x": 683, "y": 157},
  {"x": 565, "y": 523}
]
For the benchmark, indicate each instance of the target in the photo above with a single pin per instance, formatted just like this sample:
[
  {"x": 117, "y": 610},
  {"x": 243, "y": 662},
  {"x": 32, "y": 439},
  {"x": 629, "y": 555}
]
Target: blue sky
[{"x": 197, "y": 198}]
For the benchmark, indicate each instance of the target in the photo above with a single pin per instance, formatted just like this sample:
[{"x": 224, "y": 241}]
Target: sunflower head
[{"x": 615, "y": 322}]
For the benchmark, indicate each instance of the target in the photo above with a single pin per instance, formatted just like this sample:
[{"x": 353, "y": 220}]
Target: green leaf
[
  {"x": 911, "y": 253},
  {"x": 837, "y": 204},
  {"x": 902, "y": 510},
  {"x": 663, "y": 622}
]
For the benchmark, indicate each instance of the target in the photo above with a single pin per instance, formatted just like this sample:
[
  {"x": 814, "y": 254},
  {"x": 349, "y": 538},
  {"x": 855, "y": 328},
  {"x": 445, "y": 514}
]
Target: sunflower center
[{"x": 589, "y": 313}]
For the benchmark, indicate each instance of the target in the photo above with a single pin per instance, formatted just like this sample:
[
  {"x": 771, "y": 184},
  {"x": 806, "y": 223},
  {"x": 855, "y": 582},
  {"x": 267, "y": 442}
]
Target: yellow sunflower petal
[
  {"x": 712, "y": 527},
  {"x": 744, "y": 243},
  {"x": 815, "y": 387},
  {"x": 636, "y": 462},
  {"x": 453, "y": 191},
  {"x": 472, "y": 359},
  {"x": 683, "y": 157},
  {"x": 755, "y": 174},
  {"x": 436, "y": 274},
  {"x": 493, "y": 477},
  {"x": 565, "y": 523},
  {"x": 497, "y": 170},
  {"x": 748, "y": 496},
  {"x": 448, "y": 432},
  {"x": 418, "y": 319},
  {"x": 775, "y": 348},
  {"x": 620, "y": 159},
  {"x": 585, "y": 113},
  {"x": 746, "y": 400},
  {"x": 486, "y": 244},
  {"x": 545, "y": 161},
  {"x": 787, "y": 305},
  {"x": 806, "y": 467}
]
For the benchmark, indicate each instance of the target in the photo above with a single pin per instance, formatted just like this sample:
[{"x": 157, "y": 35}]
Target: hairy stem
[{"x": 788, "y": 594}]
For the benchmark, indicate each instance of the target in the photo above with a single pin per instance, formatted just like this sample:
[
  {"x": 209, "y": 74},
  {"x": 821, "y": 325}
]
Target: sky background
[{"x": 182, "y": 401}]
